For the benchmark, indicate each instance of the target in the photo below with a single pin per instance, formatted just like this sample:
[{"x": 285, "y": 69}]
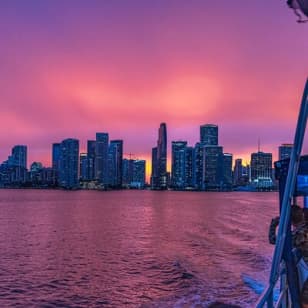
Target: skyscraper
[
  {"x": 209, "y": 134},
  {"x": 189, "y": 154},
  {"x": 212, "y": 167},
  {"x": 56, "y": 158},
  {"x": 238, "y": 171},
  {"x": 227, "y": 171},
  {"x": 127, "y": 171},
  {"x": 101, "y": 157},
  {"x": 19, "y": 156},
  {"x": 285, "y": 151},
  {"x": 84, "y": 167},
  {"x": 138, "y": 180},
  {"x": 159, "y": 177},
  {"x": 162, "y": 156},
  {"x": 91, "y": 144},
  {"x": 18, "y": 162},
  {"x": 178, "y": 164},
  {"x": 198, "y": 166},
  {"x": 115, "y": 159},
  {"x": 154, "y": 174},
  {"x": 261, "y": 169},
  {"x": 69, "y": 155}
]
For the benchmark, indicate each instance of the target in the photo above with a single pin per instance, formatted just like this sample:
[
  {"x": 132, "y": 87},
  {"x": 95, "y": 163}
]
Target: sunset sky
[{"x": 74, "y": 68}]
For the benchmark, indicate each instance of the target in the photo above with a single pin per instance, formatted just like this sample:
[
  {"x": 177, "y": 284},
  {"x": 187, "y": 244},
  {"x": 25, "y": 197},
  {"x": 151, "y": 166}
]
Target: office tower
[
  {"x": 91, "y": 159},
  {"x": 127, "y": 171},
  {"x": 69, "y": 155},
  {"x": 159, "y": 177},
  {"x": 154, "y": 182},
  {"x": 285, "y": 151},
  {"x": 101, "y": 157},
  {"x": 138, "y": 179},
  {"x": 19, "y": 156},
  {"x": 189, "y": 154},
  {"x": 212, "y": 167},
  {"x": 18, "y": 163},
  {"x": 56, "y": 156},
  {"x": 115, "y": 159},
  {"x": 227, "y": 171},
  {"x": 261, "y": 169},
  {"x": 198, "y": 166},
  {"x": 238, "y": 171},
  {"x": 209, "y": 134},
  {"x": 178, "y": 164},
  {"x": 162, "y": 156},
  {"x": 84, "y": 167}
]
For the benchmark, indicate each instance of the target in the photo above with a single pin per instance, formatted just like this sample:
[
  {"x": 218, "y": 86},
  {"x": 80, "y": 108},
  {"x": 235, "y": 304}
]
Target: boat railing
[{"x": 282, "y": 264}]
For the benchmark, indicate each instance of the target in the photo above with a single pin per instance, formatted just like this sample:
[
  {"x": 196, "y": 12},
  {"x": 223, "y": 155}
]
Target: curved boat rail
[{"x": 283, "y": 263}]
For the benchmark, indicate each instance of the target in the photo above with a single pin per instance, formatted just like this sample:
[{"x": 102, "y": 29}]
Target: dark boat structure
[
  {"x": 300, "y": 8},
  {"x": 288, "y": 267}
]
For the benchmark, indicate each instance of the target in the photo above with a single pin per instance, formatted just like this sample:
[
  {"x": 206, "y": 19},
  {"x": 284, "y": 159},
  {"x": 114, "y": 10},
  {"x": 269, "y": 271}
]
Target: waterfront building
[
  {"x": 69, "y": 156},
  {"x": 212, "y": 167},
  {"x": 56, "y": 156},
  {"x": 238, "y": 171},
  {"x": 91, "y": 144},
  {"x": 285, "y": 151},
  {"x": 159, "y": 164},
  {"x": 133, "y": 173},
  {"x": 178, "y": 164},
  {"x": 162, "y": 156},
  {"x": 154, "y": 175},
  {"x": 101, "y": 157},
  {"x": 84, "y": 167},
  {"x": 209, "y": 134},
  {"x": 189, "y": 154},
  {"x": 261, "y": 170},
  {"x": 127, "y": 171},
  {"x": 227, "y": 171},
  {"x": 17, "y": 165},
  {"x": 115, "y": 159},
  {"x": 19, "y": 156},
  {"x": 198, "y": 166},
  {"x": 138, "y": 180}
]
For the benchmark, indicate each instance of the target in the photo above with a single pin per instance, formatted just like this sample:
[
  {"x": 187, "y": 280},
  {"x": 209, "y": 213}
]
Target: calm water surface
[{"x": 132, "y": 248}]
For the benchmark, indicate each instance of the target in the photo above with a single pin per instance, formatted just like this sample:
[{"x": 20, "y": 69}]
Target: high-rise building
[
  {"x": 18, "y": 162},
  {"x": 198, "y": 166},
  {"x": 138, "y": 180},
  {"x": 56, "y": 156},
  {"x": 115, "y": 159},
  {"x": 162, "y": 156},
  {"x": 69, "y": 155},
  {"x": 209, "y": 134},
  {"x": 91, "y": 144},
  {"x": 212, "y": 167},
  {"x": 154, "y": 173},
  {"x": 127, "y": 171},
  {"x": 84, "y": 167},
  {"x": 227, "y": 171},
  {"x": 101, "y": 157},
  {"x": 159, "y": 179},
  {"x": 261, "y": 170},
  {"x": 19, "y": 156},
  {"x": 189, "y": 154},
  {"x": 238, "y": 172},
  {"x": 134, "y": 173},
  {"x": 178, "y": 164},
  {"x": 285, "y": 151}
]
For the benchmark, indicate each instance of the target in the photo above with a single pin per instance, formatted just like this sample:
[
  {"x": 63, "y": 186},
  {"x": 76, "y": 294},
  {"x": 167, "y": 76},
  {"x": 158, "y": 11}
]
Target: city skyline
[{"x": 70, "y": 69}]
